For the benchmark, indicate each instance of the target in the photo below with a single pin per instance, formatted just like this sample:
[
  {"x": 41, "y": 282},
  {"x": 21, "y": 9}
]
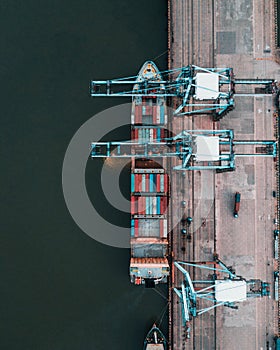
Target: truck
[
  {"x": 276, "y": 285},
  {"x": 276, "y": 243},
  {"x": 236, "y": 204}
]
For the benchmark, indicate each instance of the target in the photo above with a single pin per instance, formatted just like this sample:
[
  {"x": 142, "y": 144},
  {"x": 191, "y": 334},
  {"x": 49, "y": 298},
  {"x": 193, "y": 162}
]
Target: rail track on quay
[{"x": 191, "y": 43}]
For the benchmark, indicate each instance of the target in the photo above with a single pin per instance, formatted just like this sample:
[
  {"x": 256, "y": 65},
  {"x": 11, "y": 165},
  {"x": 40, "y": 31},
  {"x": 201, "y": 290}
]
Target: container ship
[
  {"x": 149, "y": 185},
  {"x": 155, "y": 340}
]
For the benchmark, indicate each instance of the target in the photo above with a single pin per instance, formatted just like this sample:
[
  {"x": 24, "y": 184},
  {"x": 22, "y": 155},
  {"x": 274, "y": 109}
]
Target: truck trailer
[{"x": 236, "y": 204}]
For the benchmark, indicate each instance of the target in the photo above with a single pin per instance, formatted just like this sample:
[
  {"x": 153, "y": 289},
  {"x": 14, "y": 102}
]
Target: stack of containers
[{"x": 149, "y": 187}]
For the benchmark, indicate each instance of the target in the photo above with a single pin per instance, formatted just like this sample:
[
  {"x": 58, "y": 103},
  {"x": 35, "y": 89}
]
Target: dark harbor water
[{"x": 60, "y": 289}]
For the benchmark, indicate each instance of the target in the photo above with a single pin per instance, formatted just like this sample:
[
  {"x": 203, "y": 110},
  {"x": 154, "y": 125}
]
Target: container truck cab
[{"x": 236, "y": 204}]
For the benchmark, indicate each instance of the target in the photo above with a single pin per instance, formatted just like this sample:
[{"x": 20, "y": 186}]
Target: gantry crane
[
  {"x": 196, "y": 149},
  {"x": 222, "y": 288},
  {"x": 197, "y": 90}
]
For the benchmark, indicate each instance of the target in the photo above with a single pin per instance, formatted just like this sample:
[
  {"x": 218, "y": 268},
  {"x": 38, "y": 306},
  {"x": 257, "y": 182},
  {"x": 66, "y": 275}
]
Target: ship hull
[
  {"x": 149, "y": 184},
  {"x": 155, "y": 340}
]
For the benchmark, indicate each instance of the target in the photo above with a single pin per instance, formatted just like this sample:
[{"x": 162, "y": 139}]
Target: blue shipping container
[
  {"x": 132, "y": 183},
  {"x": 132, "y": 228}
]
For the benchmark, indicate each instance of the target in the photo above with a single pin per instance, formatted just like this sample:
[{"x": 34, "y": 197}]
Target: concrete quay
[{"x": 238, "y": 34}]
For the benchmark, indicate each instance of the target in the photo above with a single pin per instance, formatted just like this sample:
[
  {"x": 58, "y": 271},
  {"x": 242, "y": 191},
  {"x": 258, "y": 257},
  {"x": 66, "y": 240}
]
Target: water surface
[{"x": 61, "y": 289}]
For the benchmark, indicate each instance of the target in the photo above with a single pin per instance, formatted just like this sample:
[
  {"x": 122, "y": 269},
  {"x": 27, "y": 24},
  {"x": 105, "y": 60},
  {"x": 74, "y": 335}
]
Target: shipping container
[
  {"x": 143, "y": 189},
  {"x": 132, "y": 202},
  {"x": 148, "y": 134},
  {"x": 158, "y": 115},
  {"x": 163, "y": 205},
  {"x": 153, "y": 204},
  {"x": 141, "y": 205},
  {"x": 158, "y": 178},
  {"x": 132, "y": 183},
  {"x": 148, "y": 205},
  {"x": 132, "y": 228},
  {"x": 236, "y": 204},
  {"x": 138, "y": 114},
  {"x": 152, "y": 178},
  {"x": 162, "y": 183},
  {"x": 149, "y": 114},
  {"x": 147, "y": 179},
  {"x": 149, "y": 183},
  {"x": 162, "y": 115},
  {"x": 136, "y": 228},
  {"x": 149, "y": 227},
  {"x": 158, "y": 206},
  {"x": 147, "y": 110},
  {"x": 154, "y": 114}
]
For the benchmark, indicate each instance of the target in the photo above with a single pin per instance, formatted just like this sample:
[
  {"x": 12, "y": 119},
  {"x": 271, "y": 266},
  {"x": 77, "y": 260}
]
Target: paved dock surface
[{"x": 238, "y": 34}]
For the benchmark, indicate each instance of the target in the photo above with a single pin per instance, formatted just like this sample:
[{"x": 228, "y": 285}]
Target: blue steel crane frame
[{"x": 181, "y": 83}]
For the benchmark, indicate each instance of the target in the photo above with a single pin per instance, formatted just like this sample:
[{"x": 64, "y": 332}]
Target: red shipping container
[
  {"x": 135, "y": 183},
  {"x": 132, "y": 203},
  {"x": 158, "y": 182},
  {"x": 144, "y": 205},
  {"x": 139, "y": 183},
  {"x": 154, "y": 118},
  {"x": 140, "y": 118},
  {"x": 141, "y": 205},
  {"x": 155, "y": 131},
  {"x": 147, "y": 183},
  {"x": 163, "y": 202},
  {"x": 136, "y": 228},
  {"x": 149, "y": 110},
  {"x": 155, "y": 112},
  {"x": 138, "y": 114},
  {"x": 136, "y": 135}
]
